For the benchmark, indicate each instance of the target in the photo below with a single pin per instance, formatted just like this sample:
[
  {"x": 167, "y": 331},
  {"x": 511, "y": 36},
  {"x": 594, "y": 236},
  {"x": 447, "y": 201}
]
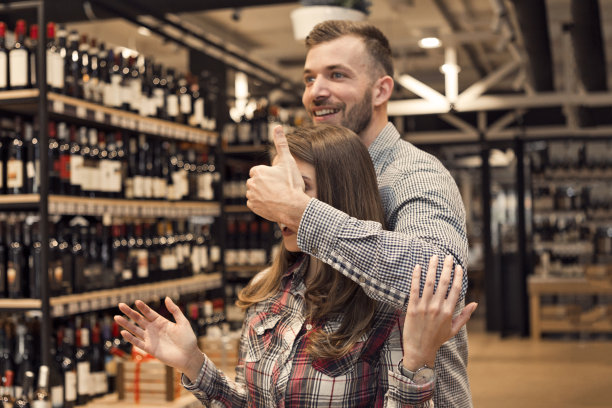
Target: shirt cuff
[
  {"x": 319, "y": 227},
  {"x": 203, "y": 386},
  {"x": 406, "y": 392}
]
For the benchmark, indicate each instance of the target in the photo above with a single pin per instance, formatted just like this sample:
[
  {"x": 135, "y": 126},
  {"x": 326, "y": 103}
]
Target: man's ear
[{"x": 382, "y": 90}]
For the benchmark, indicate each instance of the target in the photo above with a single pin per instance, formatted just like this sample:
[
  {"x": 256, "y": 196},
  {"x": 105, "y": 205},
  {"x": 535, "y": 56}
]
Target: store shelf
[
  {"x": 236, "y": 208},
  {"x": 104, "y": 299},
  {"x": 245, "y": 268},
  {"x": 19, "y": 304},
  {"x": 24, "y": 101},
  {"x": 70, "y": 205}
]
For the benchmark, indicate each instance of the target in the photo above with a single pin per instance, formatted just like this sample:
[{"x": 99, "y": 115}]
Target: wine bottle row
[
  {"x": 85, "y": 351},
  {"x": 583, "y": 156},
  {"x": 89, "y": 253},
  {"x": 249, "y": 241},
  {"x": 112, "y": 77},
  {"x": 89, "y": 162}
]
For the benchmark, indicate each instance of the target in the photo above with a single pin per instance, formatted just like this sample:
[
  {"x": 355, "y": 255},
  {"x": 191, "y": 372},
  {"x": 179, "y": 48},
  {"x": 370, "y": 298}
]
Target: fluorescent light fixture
[{"x": 430, "y": 42}]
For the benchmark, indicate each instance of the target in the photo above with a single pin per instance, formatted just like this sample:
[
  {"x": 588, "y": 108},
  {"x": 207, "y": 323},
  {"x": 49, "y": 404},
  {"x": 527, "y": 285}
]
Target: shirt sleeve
[{"x": 213, "y": 385}]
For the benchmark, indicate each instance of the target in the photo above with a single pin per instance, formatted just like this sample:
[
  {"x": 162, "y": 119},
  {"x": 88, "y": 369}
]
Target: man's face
[{"x": 338, "y": 84}]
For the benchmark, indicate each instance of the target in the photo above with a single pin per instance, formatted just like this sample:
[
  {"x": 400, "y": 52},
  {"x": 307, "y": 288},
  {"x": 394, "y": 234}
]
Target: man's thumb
[{"x": 280, "y": 143}]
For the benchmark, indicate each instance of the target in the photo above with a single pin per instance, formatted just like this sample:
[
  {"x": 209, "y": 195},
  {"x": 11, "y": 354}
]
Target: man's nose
[{"x": 319, "y": 89}]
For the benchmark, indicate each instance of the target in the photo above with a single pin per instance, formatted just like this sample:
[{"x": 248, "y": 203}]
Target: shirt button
[
  {"x": 260, "y": 331},
  {"x": 362, "y": 279},
  {"x": 314, "y": 251},
  {"x": 309, "y": 326}
]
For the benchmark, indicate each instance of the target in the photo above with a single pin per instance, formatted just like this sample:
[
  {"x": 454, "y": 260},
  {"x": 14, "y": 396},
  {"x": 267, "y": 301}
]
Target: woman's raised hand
[
  {"x": 174, "y": 344},
  {"x": 429, "y": 319}
]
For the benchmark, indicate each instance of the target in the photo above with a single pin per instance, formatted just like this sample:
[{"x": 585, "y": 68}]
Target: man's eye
[
  {"x": 337, "y": 75},
  {"x": 308, "y": 79}
]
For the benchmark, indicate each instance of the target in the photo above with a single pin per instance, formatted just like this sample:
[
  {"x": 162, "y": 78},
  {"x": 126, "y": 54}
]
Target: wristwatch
[{"x": 421, "y": 376}]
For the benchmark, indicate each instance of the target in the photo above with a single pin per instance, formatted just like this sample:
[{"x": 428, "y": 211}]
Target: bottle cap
[
  {"x": 50, "y": 30},
  {"x": 20, "y": 27},
  {"x": 34, "y": 31},
  {"x": 2, "y": 29}
]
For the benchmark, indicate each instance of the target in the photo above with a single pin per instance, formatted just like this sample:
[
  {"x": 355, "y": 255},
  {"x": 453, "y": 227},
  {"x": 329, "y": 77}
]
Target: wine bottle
[
  {"x": 103, "y": 74},
  {"x": 41, "y": 398},
  {"x": 32, "y": 167},
  {"x": 3, "y": 252},
  {"x": 92, "y": 92},
  {"x": 4, "y": 67},
  {"x": 68, "y": 365},
  {"x": 185, "y": 99},
  {"x": 15, "y": 165},
  {"x": 53, "y": 171},
  {"x": 172, "y": 98},
  {"x": 98, "y": 373},
  {"x": 58, "y": 62},
  {"x": 32, "y": 54},
  {"x": 7, "y": 395},
  {"x": 50, "y": 53},
  {"x": 56, "y": 379},
  {"x": 18, "y": 59},
  {"x": 83, "y": 366},
  {"x": 24, "y": 400},
  {"x": 75, "y": 163},
  {"x": 72, "y": 66},
  {"x": 15, "y": 266},
  {"x": 64, "y": 157}
]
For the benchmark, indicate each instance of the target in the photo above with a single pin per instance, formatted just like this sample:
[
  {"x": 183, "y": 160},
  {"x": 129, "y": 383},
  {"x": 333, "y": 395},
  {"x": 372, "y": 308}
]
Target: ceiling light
[{"x": 429, "y": 42}]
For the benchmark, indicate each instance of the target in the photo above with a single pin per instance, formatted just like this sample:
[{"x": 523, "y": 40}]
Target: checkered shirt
[
  {"x": 274, "y": 369},
  {"x": 425, "y": 216}
]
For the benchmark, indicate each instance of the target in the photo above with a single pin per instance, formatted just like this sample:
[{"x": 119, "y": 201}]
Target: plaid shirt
[
  {"x": 426, "y": 216},
  {"x": 274, "y": 369}
]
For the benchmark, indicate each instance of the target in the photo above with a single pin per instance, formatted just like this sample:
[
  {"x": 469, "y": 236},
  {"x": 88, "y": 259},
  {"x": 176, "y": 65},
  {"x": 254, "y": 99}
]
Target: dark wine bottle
[
  {"x": 32, "y": 166},
  {"x": 16, "y": 267},
  {"x": 41, "y": 398},
  {"x": 3, "y": 252},
  {"x": 68, "y": 365},
  {"x": 4, "y": 67},
  {"x": 18, "y": 59},
  {"x": 83, "y": 366},
  {"x": 24, "y": 400},
  {"x": 32, "y": 55},
  {"x": 15, "y": 164}
]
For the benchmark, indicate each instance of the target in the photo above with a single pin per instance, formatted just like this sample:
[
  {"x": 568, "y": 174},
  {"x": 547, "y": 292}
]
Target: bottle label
[
  {"x": 50, "y": 68},
  {"x": 18, "y": 61},
  {"x": 215, "y": 254},
  {"x": 14, "y": 173},
  {"x": 204, "y": 256},
  {"x": 58, "y": 70},
  {"x": 76, "y": 169},
  {"x": 172, "y": 106},
  {"x": 57, "y": 396},
  {"x": 142, "y": 258},
  {"x": 3, "y": 70},
  {"x": 185, "y": 104},
  {"x": 168, "y": 262},
  {"x": 83, "y": 382},
  {"x": 139, "y": 187},
  {"x": 1, "y": 177},
  {"x": 41, "y": 404},
  {"x": 70, "y": 382}
]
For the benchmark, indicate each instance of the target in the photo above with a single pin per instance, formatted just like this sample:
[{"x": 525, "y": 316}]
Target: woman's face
[{"x": 308, "y": 174}]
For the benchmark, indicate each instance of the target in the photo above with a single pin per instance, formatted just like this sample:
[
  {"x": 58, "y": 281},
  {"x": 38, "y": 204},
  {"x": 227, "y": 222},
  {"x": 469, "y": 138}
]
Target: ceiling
[{"x": 545, "y": 61}]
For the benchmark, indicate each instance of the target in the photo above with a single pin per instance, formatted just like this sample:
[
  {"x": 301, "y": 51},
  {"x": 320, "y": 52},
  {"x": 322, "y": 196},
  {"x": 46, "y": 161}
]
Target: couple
[{"x": 337, "y": 320}]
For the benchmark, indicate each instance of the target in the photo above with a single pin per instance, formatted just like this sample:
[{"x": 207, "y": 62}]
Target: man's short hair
[{"x": 377, "y": 45}]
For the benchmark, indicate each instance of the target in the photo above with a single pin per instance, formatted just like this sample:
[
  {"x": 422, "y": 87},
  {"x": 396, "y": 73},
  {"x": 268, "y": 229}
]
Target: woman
[{"x": 312, "y": 337}]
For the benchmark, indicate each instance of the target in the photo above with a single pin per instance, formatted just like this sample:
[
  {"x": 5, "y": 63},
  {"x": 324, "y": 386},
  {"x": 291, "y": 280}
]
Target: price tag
[
  {"x": 81, "y": 112},
  {"x": 95, "y": 304},
  {"x": 57, "y": 311},
  {"x": 73, "y": 308},
  {"x": 58, "y": 107},
  {"x": 84, "y": 306},
  {"x": 99, "y": 116},
  {"x": 105, "y": 302},
  {"x": 114, "y": 120}
]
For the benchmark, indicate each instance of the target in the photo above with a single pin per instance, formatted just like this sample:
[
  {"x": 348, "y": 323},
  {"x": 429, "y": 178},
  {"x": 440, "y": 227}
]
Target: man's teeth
[{"x": 323, "y": 112}]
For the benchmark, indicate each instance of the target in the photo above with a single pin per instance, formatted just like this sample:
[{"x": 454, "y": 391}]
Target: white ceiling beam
[
  {"x": 423, "y": 90},
  {"x": 451, "y": 74},
  {"x": 480, "y": 87},
  {"x": 409, "y": 107},
  {"x": 460, "y": 124}
]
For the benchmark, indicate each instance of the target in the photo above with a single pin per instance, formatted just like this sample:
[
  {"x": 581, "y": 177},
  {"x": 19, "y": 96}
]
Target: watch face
[{"x": 423, "y": 375}]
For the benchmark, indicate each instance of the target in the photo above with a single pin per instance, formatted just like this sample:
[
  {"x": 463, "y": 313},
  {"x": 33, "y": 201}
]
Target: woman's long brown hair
[{"x": 346, "y": 180}]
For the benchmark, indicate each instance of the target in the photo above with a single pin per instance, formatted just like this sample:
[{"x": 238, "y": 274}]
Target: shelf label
[
  {"x": 99, "y": 116},
  {"x": 58, "y": 107},
  {"x": 81, "y": 112}
]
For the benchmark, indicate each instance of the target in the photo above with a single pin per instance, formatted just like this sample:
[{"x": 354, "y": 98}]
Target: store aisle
[{"x": 519, "y": 372}]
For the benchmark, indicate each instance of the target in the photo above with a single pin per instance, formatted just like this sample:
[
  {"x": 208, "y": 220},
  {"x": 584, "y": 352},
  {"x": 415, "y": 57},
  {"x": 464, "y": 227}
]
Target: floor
[{"x": 520, "y": 372}]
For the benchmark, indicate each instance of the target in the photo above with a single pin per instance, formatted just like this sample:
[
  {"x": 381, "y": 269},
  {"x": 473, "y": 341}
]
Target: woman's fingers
[
  {"x": 132, "y": 314},
  {"x": 430, "y": 280},
  {"x": 462, "y": 318},
  {"x": 455, "y": 289},
  {"x": 147, "y": 312},
  {"x": 131, "y": 327},
  {"x": 445, "y": 279},
  {"x": 179, "y": 317},
  {"x": 134, "y": 340},
  {"x": 415, "y": 285}
]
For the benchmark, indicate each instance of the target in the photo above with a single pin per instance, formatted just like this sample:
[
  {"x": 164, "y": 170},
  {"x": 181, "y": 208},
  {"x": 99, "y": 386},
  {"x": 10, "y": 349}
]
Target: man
[{"x": 348, "y": 78}]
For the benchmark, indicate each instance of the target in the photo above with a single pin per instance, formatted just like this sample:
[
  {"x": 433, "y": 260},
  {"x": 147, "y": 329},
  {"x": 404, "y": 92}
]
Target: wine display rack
[
  {"x": 67, "y": 205},
  {"x": 24, "y": 101}
]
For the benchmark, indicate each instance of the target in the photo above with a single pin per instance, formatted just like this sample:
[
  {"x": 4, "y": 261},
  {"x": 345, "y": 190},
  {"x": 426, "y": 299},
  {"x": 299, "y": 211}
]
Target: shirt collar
[{"x": 379, "y": 148}]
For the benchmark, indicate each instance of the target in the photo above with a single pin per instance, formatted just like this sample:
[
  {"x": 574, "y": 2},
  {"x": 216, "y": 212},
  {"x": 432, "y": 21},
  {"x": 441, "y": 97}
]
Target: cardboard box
[{"x": 148, "y": 381}]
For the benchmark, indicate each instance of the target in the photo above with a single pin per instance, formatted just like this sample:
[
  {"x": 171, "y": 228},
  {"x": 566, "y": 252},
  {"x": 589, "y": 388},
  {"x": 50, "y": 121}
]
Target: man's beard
[{"x": 358, "y": 118}]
